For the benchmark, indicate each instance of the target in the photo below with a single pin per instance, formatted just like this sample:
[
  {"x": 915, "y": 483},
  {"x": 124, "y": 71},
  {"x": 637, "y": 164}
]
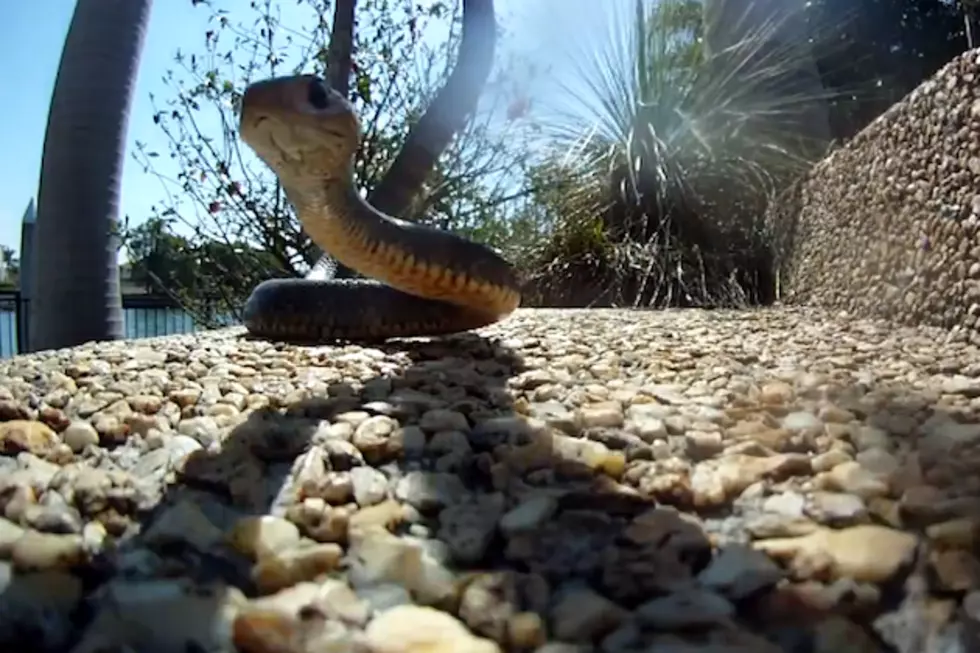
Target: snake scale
[{"x": 425, "y": 281}]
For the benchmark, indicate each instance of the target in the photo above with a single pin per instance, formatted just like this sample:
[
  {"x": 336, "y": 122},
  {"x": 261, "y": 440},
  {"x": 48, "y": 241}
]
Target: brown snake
[{"x": 427, "y": 281}]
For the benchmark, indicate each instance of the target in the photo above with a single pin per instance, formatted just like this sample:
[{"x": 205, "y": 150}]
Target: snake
[{"x": 422, "y": 281}]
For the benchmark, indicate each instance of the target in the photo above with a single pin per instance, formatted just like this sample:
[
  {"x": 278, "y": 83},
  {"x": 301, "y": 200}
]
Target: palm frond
[
  {"x": 654, "y": 97},
  {"x": 673, "y": 131}
]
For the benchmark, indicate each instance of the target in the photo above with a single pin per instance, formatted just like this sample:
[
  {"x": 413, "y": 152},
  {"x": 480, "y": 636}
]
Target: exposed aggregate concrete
[
  {"x": 565, "y": 481},
  {"x": 889, "y": 224}
]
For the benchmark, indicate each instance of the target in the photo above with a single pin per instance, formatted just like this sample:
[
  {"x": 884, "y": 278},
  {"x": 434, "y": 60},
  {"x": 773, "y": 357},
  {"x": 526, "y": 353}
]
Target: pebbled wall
[{"x": 889, "y": 224}]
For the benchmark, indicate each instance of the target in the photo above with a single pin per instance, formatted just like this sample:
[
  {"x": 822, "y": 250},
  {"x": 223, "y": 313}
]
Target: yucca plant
[{"x": 676, "y": 150}]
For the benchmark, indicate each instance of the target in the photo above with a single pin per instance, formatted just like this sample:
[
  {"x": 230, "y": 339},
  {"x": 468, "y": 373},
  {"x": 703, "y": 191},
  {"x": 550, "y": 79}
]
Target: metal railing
[{"x": 144, "y": 316}]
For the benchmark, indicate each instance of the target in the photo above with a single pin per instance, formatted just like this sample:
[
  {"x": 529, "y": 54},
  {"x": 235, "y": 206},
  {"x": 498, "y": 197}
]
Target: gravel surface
[{"x": 563, "y": 482}]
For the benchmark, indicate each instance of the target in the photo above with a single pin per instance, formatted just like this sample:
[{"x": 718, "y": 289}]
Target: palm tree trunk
[{"x": 76, "y": 274}]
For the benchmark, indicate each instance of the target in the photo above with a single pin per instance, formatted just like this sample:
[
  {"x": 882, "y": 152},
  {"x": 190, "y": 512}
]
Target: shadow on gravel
[
  {"x": 297, "y": 459},
  {"x": 532, "y": 524}
]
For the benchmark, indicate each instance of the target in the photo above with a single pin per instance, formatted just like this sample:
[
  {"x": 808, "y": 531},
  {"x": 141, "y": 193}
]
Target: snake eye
[{"x": 317, "y": 94}]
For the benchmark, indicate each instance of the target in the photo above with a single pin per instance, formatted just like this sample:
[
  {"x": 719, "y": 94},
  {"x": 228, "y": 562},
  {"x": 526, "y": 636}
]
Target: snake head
[{"x": 300, "y": 127}]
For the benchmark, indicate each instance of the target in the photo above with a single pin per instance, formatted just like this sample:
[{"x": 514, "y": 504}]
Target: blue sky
[{"x": 31, "y": 38}]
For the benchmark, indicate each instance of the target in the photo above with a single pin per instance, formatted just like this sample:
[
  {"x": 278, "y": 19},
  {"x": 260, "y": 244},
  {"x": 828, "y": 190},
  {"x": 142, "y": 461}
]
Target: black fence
[{"x": 144, "y": 316}]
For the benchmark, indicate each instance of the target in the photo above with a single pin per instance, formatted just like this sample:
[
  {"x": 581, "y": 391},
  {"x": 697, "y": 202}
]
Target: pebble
[
  {"x": 418, "y": 629},
  {"x": 561, "y": 481},
  {"x": 79, "y": 435},
  {"x": 868, "y": 553}
]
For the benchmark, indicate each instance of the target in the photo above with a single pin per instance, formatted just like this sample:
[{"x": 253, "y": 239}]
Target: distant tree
[
  {"x": 10, "y": 266},
  {"x": 206, "y": 277},
  {"x": 157, "y": 258}
]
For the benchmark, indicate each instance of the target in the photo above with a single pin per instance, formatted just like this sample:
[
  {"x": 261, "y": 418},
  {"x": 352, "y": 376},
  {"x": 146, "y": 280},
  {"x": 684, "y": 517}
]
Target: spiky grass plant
[{"x": 675, "y": 151}]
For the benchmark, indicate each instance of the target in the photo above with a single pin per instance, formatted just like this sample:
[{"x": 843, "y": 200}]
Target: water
[{"x": 139, "y": 323}]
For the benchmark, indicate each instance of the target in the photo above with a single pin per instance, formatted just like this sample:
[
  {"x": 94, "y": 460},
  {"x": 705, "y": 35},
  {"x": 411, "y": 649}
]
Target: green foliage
[
  {"x": 9, "y": 267},
  {"x": 676, "y": 151},
  {"x": 207, "y": 277},
  {"x": 220, "y": 192}
]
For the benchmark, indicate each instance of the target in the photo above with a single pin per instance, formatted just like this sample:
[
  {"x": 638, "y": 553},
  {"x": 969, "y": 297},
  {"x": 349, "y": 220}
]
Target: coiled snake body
[{"x": 428, "y": 281}]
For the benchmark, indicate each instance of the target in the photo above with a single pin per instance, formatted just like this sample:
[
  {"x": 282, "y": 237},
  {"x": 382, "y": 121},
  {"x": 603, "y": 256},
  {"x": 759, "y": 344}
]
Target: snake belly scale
[{"x": 424, "y": 281}]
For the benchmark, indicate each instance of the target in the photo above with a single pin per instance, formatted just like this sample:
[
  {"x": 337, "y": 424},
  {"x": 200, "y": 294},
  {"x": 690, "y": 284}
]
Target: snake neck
[
  {"x": 411, "y": 258},
  {"x": 332, "y": 199},
  {"x": 338, "y": 219}
]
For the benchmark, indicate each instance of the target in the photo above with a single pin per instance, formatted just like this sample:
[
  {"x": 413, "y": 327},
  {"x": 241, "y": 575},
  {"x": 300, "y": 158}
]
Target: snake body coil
[{"x": 428, "y": 281}]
